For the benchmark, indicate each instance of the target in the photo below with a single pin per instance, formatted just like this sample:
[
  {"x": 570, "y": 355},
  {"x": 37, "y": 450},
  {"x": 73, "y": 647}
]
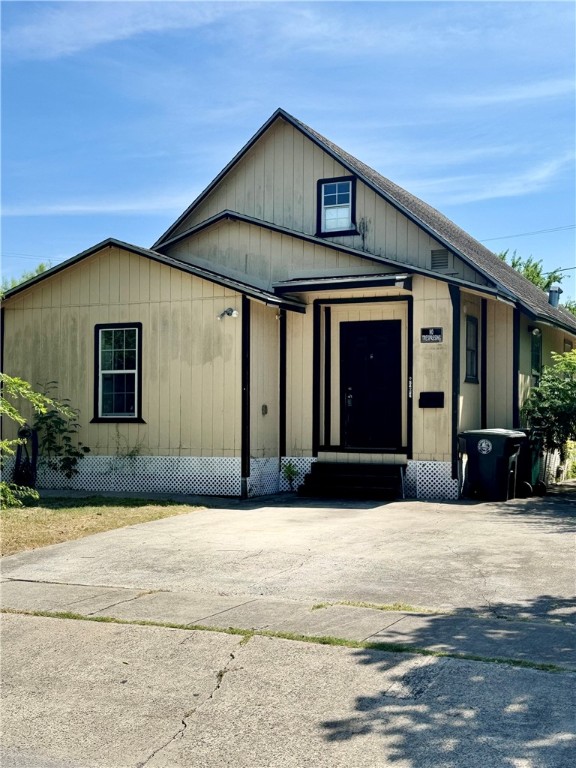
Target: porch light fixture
[
  {"x": 230, "y": 312},
  {"x": 534, "y": 331}
]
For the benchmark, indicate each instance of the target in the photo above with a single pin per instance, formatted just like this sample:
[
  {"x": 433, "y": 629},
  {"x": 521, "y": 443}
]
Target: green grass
[
  {"x": 56, "y": 520},
  {"x": 400, "y": 607},
  {"x": 248, "y": 634}
]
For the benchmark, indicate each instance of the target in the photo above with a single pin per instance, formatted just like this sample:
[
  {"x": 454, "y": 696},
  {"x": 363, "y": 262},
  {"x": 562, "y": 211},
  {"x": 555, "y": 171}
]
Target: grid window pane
[
  {"x": 106, "y": 340},
  {"x": 118, "y": 372},
  {"x": 118, "y": 394},
  {"x": 336, "y": 206},
  {"x": 337, "y": 218}
]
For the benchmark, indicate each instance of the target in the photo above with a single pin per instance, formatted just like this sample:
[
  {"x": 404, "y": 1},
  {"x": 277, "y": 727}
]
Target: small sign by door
[{"x": 430, "y": 335}]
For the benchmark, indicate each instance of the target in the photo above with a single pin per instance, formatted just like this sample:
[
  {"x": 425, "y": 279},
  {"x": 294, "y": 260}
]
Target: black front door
[{"x": 371, "y": 384}]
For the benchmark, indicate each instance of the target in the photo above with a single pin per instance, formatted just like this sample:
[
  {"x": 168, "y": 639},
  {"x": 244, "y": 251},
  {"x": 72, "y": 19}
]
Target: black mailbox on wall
[{"x": 431, "y": 400}]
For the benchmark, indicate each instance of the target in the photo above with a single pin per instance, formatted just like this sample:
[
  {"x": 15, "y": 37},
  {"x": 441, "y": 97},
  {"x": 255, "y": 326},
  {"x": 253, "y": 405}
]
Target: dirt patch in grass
[{"x": 58, "y": 520}]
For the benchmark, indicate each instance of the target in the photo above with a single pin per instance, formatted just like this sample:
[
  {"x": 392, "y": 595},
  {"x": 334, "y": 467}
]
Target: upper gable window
[{"x": 336, "y": 206}]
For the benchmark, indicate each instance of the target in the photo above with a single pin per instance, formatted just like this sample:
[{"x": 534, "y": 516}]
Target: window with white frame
[
  {"x": 118, "y": 372},
  {"x": 336, "y": 199}
]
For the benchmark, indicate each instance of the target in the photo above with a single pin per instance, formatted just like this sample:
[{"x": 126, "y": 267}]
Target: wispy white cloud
[
  {"x": 455, "y": 190},
  {"x": 68, "y": 28},
  {"x": 512, "y": 94},
  {"x": 170, "y": 202}
]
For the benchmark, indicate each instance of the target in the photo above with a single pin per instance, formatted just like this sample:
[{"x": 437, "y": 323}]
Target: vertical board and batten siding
[
  {"x": 276, "y": 181},
  {"x": 552, "y": 341},
  {"x": 432, "y": 367},
  {"x": 299, "y": 384},
  {"x": 432, "y": 371},
  {"x": 268, "y": 256},
  {"x": 499, "y": 365},
  {"x": 191, "y": 383},
  {"x": 264, "y": 381}
]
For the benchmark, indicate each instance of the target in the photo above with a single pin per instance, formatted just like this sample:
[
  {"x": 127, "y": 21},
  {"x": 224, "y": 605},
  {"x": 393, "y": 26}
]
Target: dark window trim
[
  {"x": 341, "y": 232},
  {"x": 472, "y": 375},
  {"x": 137, "y": 419},
  {"x": 327, "y": 375}
]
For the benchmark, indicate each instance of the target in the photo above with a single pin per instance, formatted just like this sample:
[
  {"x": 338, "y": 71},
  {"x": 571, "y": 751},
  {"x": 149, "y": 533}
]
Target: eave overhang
[
  {"x": 245, "y": 288},
  {"x": 340, "y": 282}
]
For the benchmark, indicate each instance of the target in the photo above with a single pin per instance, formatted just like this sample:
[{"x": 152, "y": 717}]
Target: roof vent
[
  {"x": 554, "y": 295},
  {"x": 440, "y": 259}
]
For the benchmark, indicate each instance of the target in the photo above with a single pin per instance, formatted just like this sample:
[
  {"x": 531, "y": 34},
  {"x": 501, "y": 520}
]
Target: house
[{"x": 303, "y": 309}]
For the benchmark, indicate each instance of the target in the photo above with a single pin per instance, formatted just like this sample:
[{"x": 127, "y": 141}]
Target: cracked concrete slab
[
  {"x": 489, "y": 638},
  {"x": 89, "y": 695},
  {"x": 76, "y": 598},
  {"x": 334, "y": 620},
  {"x": 174, "y": 607},
  {"x": 443, "y": 556}
]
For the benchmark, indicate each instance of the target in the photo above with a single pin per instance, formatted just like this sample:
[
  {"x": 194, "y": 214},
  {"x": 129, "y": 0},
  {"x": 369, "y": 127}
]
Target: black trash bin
[
  {"x": 528, "y": 476},
  {"x": 492, "y": 461}
]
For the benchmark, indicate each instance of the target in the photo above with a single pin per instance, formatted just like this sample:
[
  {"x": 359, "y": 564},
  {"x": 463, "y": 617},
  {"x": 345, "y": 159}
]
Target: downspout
[{"x": 455, "y": 298}]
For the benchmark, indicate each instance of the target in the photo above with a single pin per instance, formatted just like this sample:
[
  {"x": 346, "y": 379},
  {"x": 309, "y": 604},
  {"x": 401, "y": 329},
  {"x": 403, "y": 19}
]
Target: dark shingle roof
[{"x": 529, "y": 296}]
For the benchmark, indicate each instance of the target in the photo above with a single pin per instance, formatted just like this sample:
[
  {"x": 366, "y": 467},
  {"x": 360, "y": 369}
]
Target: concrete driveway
[
  {"x": 516, "y": 558},
  {"x": 82, "y": 694}
]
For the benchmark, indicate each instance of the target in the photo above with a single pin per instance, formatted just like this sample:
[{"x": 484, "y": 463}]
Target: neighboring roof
[
  {"x": 530, "y": 297},
  {"x": 228, "y": 282}
]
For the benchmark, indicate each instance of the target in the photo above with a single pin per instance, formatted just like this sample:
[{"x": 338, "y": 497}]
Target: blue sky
[{"x": 117, "y": 114}]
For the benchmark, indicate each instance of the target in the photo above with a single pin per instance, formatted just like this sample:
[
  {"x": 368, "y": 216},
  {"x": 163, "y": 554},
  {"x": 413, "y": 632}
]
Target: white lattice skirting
[
  {"x": 430, "y": 480},
  {"x": 153, "y": 474},
  {"x": 221, "y": 476}
]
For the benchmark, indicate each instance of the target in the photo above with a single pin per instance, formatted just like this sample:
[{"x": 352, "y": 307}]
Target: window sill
[
  {"x": 471, "y": 380},
  {"x": 116, "y": 420},
  {"x": 339, "y": 233}
]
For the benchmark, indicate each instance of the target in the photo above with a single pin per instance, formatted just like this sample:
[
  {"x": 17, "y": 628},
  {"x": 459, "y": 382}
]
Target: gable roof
[
  {"x": 531, "y": 298},
  {"x": 247, "y": 289}
]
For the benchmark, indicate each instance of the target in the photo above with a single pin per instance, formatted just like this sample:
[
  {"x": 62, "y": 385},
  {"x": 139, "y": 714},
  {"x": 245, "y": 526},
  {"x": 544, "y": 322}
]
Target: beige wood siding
[
  {"x": 276, "y": 181},
  {"x": 299, "y": 384},
  {"x": 432, "y": 427},
  {"x": 267, "y": 256},
  {"x": 499, "y": 365},
  {"x": 264, "y": 381},
  {"x": 432, "y": 367},
  {"x": 553, "y": 340},
  {"x": 190, "y": 364}
]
